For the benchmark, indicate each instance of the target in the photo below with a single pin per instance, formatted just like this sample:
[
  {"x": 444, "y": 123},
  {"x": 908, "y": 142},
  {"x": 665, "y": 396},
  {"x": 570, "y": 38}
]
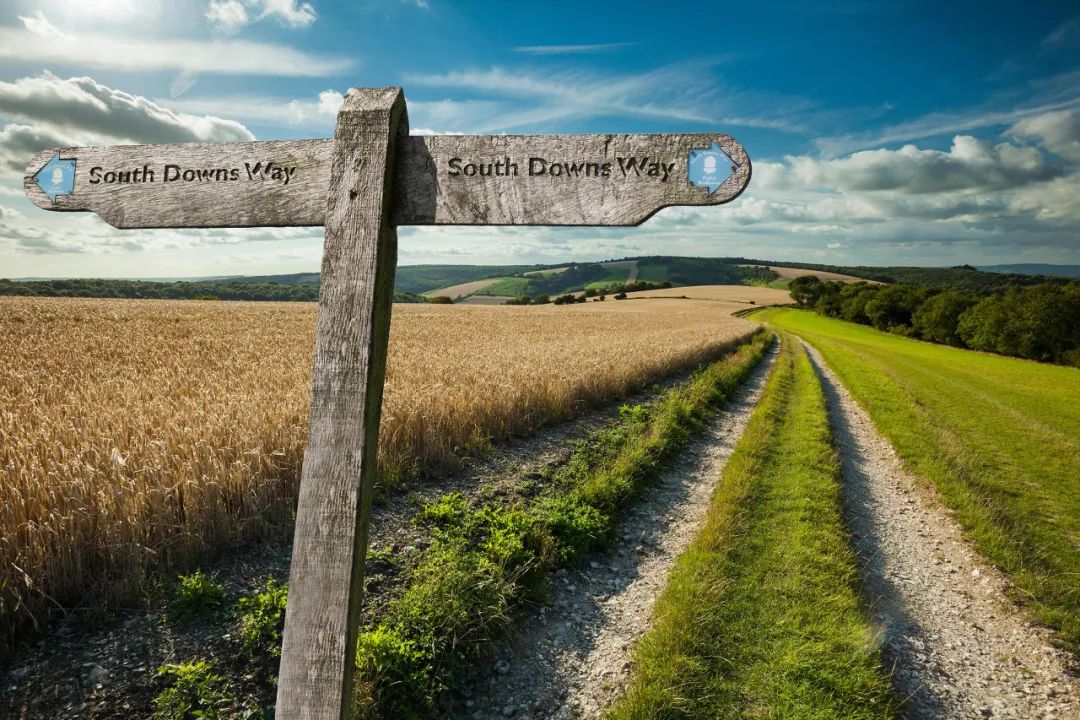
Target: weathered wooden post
[
  {"x": 330, "y": 541},
  {"x": 370, "y": 178}
]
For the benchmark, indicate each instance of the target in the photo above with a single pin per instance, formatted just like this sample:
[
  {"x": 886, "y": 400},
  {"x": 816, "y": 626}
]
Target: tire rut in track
[{"x": 957, "y": 646}]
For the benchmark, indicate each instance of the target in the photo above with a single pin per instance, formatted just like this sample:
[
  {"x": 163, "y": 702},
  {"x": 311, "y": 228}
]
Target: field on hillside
[
  {"x": 460, "y": 290},
  {"x": 738, "y": 297},
  {"x": 137, "y": 434},
  {"x": 999, "y": 437}
]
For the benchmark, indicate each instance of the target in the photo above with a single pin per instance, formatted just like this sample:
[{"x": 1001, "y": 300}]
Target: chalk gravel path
[
  {"x": 957, "y": 646},
  {"x": 572, "y": 659}
]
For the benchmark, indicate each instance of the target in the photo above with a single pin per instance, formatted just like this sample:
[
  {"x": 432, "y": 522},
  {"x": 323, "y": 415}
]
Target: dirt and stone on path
[
  {"x": 958, "y": 647},
  {"x": 572, "y": 658}
]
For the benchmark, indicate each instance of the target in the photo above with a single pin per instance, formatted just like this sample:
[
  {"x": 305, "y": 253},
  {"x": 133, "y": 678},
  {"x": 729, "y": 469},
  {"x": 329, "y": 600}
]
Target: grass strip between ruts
[
  {"x": 761, "y": 616},
  {"x": 485, "y": 559}
]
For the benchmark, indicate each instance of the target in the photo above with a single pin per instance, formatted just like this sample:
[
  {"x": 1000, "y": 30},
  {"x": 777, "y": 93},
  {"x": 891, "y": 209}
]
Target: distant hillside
[
  {"x": 422, "y": 278},
  {"x": 538, "y": 280},
  {"x": 1064, "y": 271},
  {"x": 961, "y": 277},
  {"x": 610, "y": 276}
]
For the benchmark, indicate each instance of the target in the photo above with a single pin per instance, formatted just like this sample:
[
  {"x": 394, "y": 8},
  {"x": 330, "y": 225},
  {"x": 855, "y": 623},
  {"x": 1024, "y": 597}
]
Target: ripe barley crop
[{"x": 148, "y": 434}]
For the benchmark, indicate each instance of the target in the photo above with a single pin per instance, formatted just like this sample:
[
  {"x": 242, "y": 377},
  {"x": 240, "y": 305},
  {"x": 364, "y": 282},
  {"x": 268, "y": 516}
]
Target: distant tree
[
  {"x": 440, "y": 300},
  {"x": 938, "y": 318},
  {"x": 892, "y": 306},
  {"x": 806, "y": 290}
]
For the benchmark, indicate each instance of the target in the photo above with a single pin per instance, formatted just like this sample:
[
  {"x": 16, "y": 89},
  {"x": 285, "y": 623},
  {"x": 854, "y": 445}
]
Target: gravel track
[
  {"x": 572, "y": 659},
  {"x": 959, "y": 648}
]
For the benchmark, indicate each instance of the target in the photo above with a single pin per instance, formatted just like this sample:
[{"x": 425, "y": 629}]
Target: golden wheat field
[{"x": 138, "y": 434}]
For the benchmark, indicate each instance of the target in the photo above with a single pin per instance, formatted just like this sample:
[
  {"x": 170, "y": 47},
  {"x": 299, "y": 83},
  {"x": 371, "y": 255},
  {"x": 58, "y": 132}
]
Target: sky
[{"x": 881, "y": 133}]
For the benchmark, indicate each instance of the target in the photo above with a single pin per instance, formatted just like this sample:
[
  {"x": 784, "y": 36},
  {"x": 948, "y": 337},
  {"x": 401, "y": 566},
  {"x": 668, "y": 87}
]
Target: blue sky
[{"x": 881, "y": 133}]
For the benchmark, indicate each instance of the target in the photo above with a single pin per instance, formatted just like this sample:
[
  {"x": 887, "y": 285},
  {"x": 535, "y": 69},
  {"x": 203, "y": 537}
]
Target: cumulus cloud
[
  {"x": 82, "y": 104},
  {"x": 970, "y": 164},
  {"x": 912, "y": 205},
  {"x": 18, "y": 143},
  {"x": 52, "y": 111},
  {"x": 1058, "y": 132},
  {"x": 229, "y": 16}
]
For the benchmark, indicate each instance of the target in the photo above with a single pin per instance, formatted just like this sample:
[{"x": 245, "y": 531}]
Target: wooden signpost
[{"x": 372, "y": 177}]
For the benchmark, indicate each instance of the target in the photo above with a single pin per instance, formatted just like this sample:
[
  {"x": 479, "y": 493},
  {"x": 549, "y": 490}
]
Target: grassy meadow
[
  {"x": 139, "y": 434},
  {"x": 761, "y": 616},
  {"x": 998, "y": 437}
]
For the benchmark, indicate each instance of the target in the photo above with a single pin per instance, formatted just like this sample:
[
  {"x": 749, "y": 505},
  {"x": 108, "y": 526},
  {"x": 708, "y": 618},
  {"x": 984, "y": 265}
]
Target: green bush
[
  {"x": 262, "y": 619},
  {"x": 197, "y": 594},
  {"x": 573, "y": 529},
  {"x": 195, "y": 692},
  {"x": 447, "y": 511}
]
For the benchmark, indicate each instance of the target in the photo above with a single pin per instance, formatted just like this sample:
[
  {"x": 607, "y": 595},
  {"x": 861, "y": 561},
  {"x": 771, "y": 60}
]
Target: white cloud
[
  {"x": 80, "y": 111},
  {"x": 117, "y": 52},
  {"x": 1058, "y": 132},
  {"x": 229, "y": 16},
  {"x": 969, "y": 164},
  {"x": 439, "y": 117},
  {"x": 18, "y": 143},
  {"x": 572, "y": 49},
  {"x": 40, "y": 25},
  {"x": 1057, "y": 93},
  {"x": 316, "y": 115},
  {"x": 572, "y": 94}
]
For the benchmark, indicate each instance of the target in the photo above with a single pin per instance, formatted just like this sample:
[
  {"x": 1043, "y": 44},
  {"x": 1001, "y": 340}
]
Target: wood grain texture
[
  {"x": 425, "y": 191},
  {"x": 243, "y": 202},
  {"x": 330, "y": 541}
]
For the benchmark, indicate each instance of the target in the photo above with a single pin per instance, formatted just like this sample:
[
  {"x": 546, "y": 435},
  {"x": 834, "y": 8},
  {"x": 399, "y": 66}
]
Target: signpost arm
[{"x": 359, "y": 256}]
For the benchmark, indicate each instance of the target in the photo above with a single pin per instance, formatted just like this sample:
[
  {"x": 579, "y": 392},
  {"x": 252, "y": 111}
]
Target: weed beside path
[
  {"x": 761, "y": 616},
  {"x": 999, "y": 439}
]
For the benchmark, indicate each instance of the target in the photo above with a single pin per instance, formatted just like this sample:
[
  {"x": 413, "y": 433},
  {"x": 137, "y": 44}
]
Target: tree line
[
  {"x": 238, "y": 289},
  {"x": 1038, "y": 322},
  {"x": 959, "y": 277}
]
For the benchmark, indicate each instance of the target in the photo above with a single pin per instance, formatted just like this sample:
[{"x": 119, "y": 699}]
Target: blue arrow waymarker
[
  {"x": 57, "y": 177},
  {"x": 709, "y": 167}
]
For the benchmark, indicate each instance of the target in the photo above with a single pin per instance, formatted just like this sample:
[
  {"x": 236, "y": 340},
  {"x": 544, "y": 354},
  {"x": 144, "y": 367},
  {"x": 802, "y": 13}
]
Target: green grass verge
[
  {"x": 485, "y": 559},
  {"x": 512, "y": 287},
  {"x": 761, "y": 615},
  {"x": 998, "y": 437}
]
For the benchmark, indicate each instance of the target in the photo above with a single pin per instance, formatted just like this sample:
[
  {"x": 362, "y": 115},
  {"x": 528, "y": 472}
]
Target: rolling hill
[{"x": 486, "y": 283}]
